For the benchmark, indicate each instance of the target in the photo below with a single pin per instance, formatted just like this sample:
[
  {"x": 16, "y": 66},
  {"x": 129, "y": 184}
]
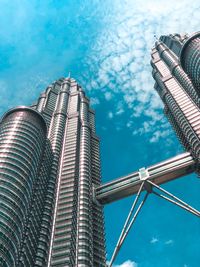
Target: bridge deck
[{"x": 160, "y": 173}]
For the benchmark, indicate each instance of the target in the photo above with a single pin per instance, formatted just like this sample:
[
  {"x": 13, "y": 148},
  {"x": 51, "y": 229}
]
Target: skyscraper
[
  {"x": 50, "y": 192},
  {"x": 176, "y": 70},
  {"x": 49, "y": 166}
]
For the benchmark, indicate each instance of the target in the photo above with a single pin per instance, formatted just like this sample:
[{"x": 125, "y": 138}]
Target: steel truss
[
  {"x": 147, "y": 180},
  {"x": 149, "y": 187}
]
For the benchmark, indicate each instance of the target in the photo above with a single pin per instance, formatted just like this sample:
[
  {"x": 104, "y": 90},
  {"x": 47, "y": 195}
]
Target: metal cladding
[
  {"x": 178, "y": 87},
  {"x": 190, "y": 59},
  {"x": 22, "y": 145},
  {"x": 49, "y": 166},
  {"x": 77, "y": 218}
]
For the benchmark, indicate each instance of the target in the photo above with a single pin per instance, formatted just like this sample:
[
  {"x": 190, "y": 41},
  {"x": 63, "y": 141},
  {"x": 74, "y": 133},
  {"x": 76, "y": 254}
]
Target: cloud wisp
[
  {"x": 122, "y": 57},
  {"x": 127, "y": 263},
  {"x": 154, "y": 240}
]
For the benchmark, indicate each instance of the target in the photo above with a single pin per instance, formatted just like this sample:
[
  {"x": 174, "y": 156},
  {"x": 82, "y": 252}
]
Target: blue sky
[{"x": 106, "y": 46}]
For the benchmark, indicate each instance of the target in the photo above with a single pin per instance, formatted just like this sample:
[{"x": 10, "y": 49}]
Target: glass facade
[
  {"x": 176, "y": 70},
  {"x": 190, "y": 59},
  {"x": 22, "y": 145},
  {"x": 49, "y": 166}
]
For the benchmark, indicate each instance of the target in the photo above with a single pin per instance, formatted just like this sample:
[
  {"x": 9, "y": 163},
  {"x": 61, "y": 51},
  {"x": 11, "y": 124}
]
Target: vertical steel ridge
[
  {"x": 182, "y": 105},
  {"x": 22, "y": 143},
  {"x": 43, "y": 200},
  {"x": 41, "y": 102},
  {"x": 97, "y": 212},
  {"x": 74, "y": 226},
  {"x": 84, "y": 226},
  {"x": 64, "y": 240},
  {"x": 56, "y": 135},
  {"x": 90, "y": 249},
  {"x": 47, "y": 106}
]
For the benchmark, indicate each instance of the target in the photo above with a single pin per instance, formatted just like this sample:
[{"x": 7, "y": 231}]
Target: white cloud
[
  {"x": 119, "y": 108},
  {"x": 108, "y": 96},
  {"x": 159, "y": 134},
  {"x": 110, "y": 115},
  {"x": 94, "y": 101},
  {"x": 127, "y": 263},
  {"x": 94, "y": 84},
  {"x": 169, "y": 242},
  {"x": 120, "y": 111},
  {"x": 123, "y": 55},
  {"x": 154, "y": 240},
  {"x": 128, "y": 125}
]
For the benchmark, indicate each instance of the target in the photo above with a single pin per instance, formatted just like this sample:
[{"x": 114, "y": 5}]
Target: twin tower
[
  {"x": 50, "y": 166},
  {"x": 176, "y": 70}
]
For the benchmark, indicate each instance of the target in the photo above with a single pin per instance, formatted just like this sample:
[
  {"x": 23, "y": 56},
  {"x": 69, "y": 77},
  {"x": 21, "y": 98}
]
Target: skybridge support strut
[
  {"x": 128, "y": 223},
  {"x": 174, "y": 200},
  {"x": 146, "y": 180}
]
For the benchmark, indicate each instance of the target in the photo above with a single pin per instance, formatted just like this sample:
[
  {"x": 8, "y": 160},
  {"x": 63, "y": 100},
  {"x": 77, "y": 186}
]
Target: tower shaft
[
  {"x": 176, "y": 73},
  {"x": 55, "y": 222}
]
